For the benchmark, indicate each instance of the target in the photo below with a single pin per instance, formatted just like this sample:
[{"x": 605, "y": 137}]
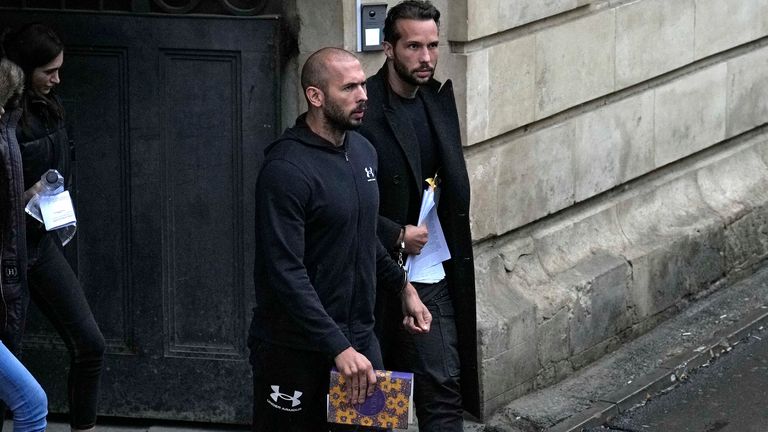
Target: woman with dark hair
[
  {"x": 53, "y": 285},
  {"x": 18, "y": 389}
]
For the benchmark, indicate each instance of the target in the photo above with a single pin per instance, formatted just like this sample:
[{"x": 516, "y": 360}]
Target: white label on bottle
[{"x": 57, "y": 211}]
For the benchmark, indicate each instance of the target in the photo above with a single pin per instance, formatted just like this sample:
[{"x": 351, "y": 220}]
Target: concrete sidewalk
[{"x": 706, "y": 327}]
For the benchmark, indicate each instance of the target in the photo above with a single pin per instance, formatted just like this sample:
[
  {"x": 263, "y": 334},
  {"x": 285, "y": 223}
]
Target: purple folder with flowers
[{"x": 390, "y": 406}]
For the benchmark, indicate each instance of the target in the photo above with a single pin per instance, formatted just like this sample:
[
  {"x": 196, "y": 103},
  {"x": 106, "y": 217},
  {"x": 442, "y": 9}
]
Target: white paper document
[
  {"x": 57, "y": 211},
  {"x": 427, "y": 267}
]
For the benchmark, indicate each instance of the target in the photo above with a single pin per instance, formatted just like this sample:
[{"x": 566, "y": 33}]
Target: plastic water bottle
[{"x": 50, "y": 183}]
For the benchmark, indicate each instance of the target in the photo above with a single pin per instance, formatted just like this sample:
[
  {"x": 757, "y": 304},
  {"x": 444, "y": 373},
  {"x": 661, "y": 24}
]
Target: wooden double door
[{"x": 170, "y": 118}]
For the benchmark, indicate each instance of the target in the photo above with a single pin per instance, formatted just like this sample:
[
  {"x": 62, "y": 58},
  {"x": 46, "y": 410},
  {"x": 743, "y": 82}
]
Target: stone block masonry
[{"x": 589, "y": 279}]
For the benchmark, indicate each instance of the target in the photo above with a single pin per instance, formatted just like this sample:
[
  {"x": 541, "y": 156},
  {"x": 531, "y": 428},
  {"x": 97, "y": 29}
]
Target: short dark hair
[{"x": 421, "y": 10}]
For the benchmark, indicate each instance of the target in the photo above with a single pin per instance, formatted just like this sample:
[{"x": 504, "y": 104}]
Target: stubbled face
[
  {"x": 414, "y": 55},
  {"x": 345, "y": 95},
  {"x": 46, "y": 77}
]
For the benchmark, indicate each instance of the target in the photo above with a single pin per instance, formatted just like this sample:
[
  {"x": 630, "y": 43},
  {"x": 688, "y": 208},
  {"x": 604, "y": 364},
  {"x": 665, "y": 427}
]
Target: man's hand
[
  {"x": 415, "y": 237},
  {"x": 359, "y": 375},
  {"x": 416, "y": 316},
  {"x": 29, "y": 193}
]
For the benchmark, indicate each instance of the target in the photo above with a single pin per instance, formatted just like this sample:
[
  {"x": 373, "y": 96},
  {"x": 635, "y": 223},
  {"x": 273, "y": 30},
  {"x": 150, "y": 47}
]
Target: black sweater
[{"x": 318, "y": 255}]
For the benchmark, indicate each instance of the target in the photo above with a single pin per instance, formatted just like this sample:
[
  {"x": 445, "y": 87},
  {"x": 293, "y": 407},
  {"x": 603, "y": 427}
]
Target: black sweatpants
[
  {"x": 434, "y": 360},
  {"x": 290, "y": 387}
]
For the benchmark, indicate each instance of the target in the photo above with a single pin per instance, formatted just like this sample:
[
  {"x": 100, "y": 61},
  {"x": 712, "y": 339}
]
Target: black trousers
[
  {"x": 55, "y": 290},
  {"x": 290, "y": 388},
  {"x": 434, "y": 360}
]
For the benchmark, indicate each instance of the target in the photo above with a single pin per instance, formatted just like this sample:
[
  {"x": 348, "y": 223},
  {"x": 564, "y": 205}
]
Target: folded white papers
[{"x": 427, "y": 267}]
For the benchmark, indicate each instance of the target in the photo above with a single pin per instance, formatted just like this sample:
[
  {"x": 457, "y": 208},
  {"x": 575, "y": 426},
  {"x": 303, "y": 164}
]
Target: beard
[
  {"x": 408, "y": 76},
  {"x": 340, "y": 120}
]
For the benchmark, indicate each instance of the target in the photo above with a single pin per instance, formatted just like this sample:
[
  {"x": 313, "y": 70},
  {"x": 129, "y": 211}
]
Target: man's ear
[
  {"x": 389, "y": 50},
  {"x": 315, "y": 96}
]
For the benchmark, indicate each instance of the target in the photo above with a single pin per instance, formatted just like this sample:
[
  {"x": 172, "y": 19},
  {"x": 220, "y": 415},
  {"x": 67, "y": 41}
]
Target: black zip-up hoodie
[{"x": 317, "y": 253}]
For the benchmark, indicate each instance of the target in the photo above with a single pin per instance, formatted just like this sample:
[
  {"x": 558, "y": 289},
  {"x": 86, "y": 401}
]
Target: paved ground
[
  {"x": 706, "y": 327},
  {"x": 728, "y": 395}
]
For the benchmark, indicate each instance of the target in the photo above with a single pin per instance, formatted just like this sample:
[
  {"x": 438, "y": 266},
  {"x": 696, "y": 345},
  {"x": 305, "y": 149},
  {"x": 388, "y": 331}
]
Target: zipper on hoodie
[{"x": 352, "y": 336}]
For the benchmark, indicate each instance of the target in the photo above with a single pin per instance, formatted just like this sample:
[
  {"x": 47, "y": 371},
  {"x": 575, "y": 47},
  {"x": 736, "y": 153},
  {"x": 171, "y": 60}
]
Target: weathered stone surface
[
  {"x": 747, "y": 92},
  {"x": 537, "y": 178},
  {"x": 506, "y": 329},
  {"x": 746, "y": 231},
  {"x": 563, "y": 246},
  {"x": 675, "y": 244},
  {"x": 690, "y": 114},
  {"x": 735, "y": 185},
  {"x": 746, "y": 240},
  {"x": 674, "y": 211},
  {"x": 511, "y": 94},
  {"x": 500, "y": 86},
  {"x": 663, "y": 276},
  {"x": 590, "y": 290},
  {"x": 652, "y": 37},
  {"x": 478, "y": 18},
  {"x": 575, "y": 62},
  {"x": 513, "y": 14},
  {"x": 606, "y": 147},
  {"x": 513, "y": 253},
  {"x": 509, "y": 369},
  {"x": 454, "y": 67},
  {"x": 600, "y": 311},
  {"x": 483, "y": 168},
  {"x": 553, "y": 344},
  {"x": 615, "y": 145},
  {"x": 482, "y": 19},
  {"x": 314, "y": 31},
  {"x": 761, "y": 149},
  {"x": 724, "y": 24},
  {"x": 477, "y": 94},
  {"x": 506, "y": 318}
]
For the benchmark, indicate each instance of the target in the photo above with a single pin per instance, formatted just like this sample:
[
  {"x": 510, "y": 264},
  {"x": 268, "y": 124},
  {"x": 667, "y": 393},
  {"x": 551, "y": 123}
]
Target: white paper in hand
[{"x": 427, "y": 266}]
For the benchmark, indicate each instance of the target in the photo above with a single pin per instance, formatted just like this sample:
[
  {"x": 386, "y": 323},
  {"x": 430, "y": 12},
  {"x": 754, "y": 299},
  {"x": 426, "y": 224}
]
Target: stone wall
[{"x": 618, "y": 161}]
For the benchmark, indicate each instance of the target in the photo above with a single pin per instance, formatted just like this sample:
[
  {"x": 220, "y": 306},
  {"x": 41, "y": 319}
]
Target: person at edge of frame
[
  {"x": 413, "y": 124},
  {"x": 318, "y": 256},
  {"x": 45, "y": 144},
  {"x": 18, "y": 388}
]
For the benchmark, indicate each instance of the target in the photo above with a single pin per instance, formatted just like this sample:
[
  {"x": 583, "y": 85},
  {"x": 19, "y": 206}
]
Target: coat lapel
[
  {"x": 434, "y": 101},
  {"x": 406, "y": 138}
]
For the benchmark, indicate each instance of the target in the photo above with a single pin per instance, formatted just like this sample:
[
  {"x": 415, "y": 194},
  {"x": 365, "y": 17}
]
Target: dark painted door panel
[{"x": 170, "y": 118}]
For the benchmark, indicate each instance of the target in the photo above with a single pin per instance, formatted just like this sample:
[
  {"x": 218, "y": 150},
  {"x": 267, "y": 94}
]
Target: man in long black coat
[{"x": 413, "y": 124}]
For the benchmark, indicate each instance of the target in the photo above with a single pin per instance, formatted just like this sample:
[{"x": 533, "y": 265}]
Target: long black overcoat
[{"x": 400, "y": 179}]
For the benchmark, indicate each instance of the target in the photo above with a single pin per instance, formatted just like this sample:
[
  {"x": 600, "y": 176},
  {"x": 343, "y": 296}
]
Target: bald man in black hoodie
[{"x": 318, "y": 256}]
